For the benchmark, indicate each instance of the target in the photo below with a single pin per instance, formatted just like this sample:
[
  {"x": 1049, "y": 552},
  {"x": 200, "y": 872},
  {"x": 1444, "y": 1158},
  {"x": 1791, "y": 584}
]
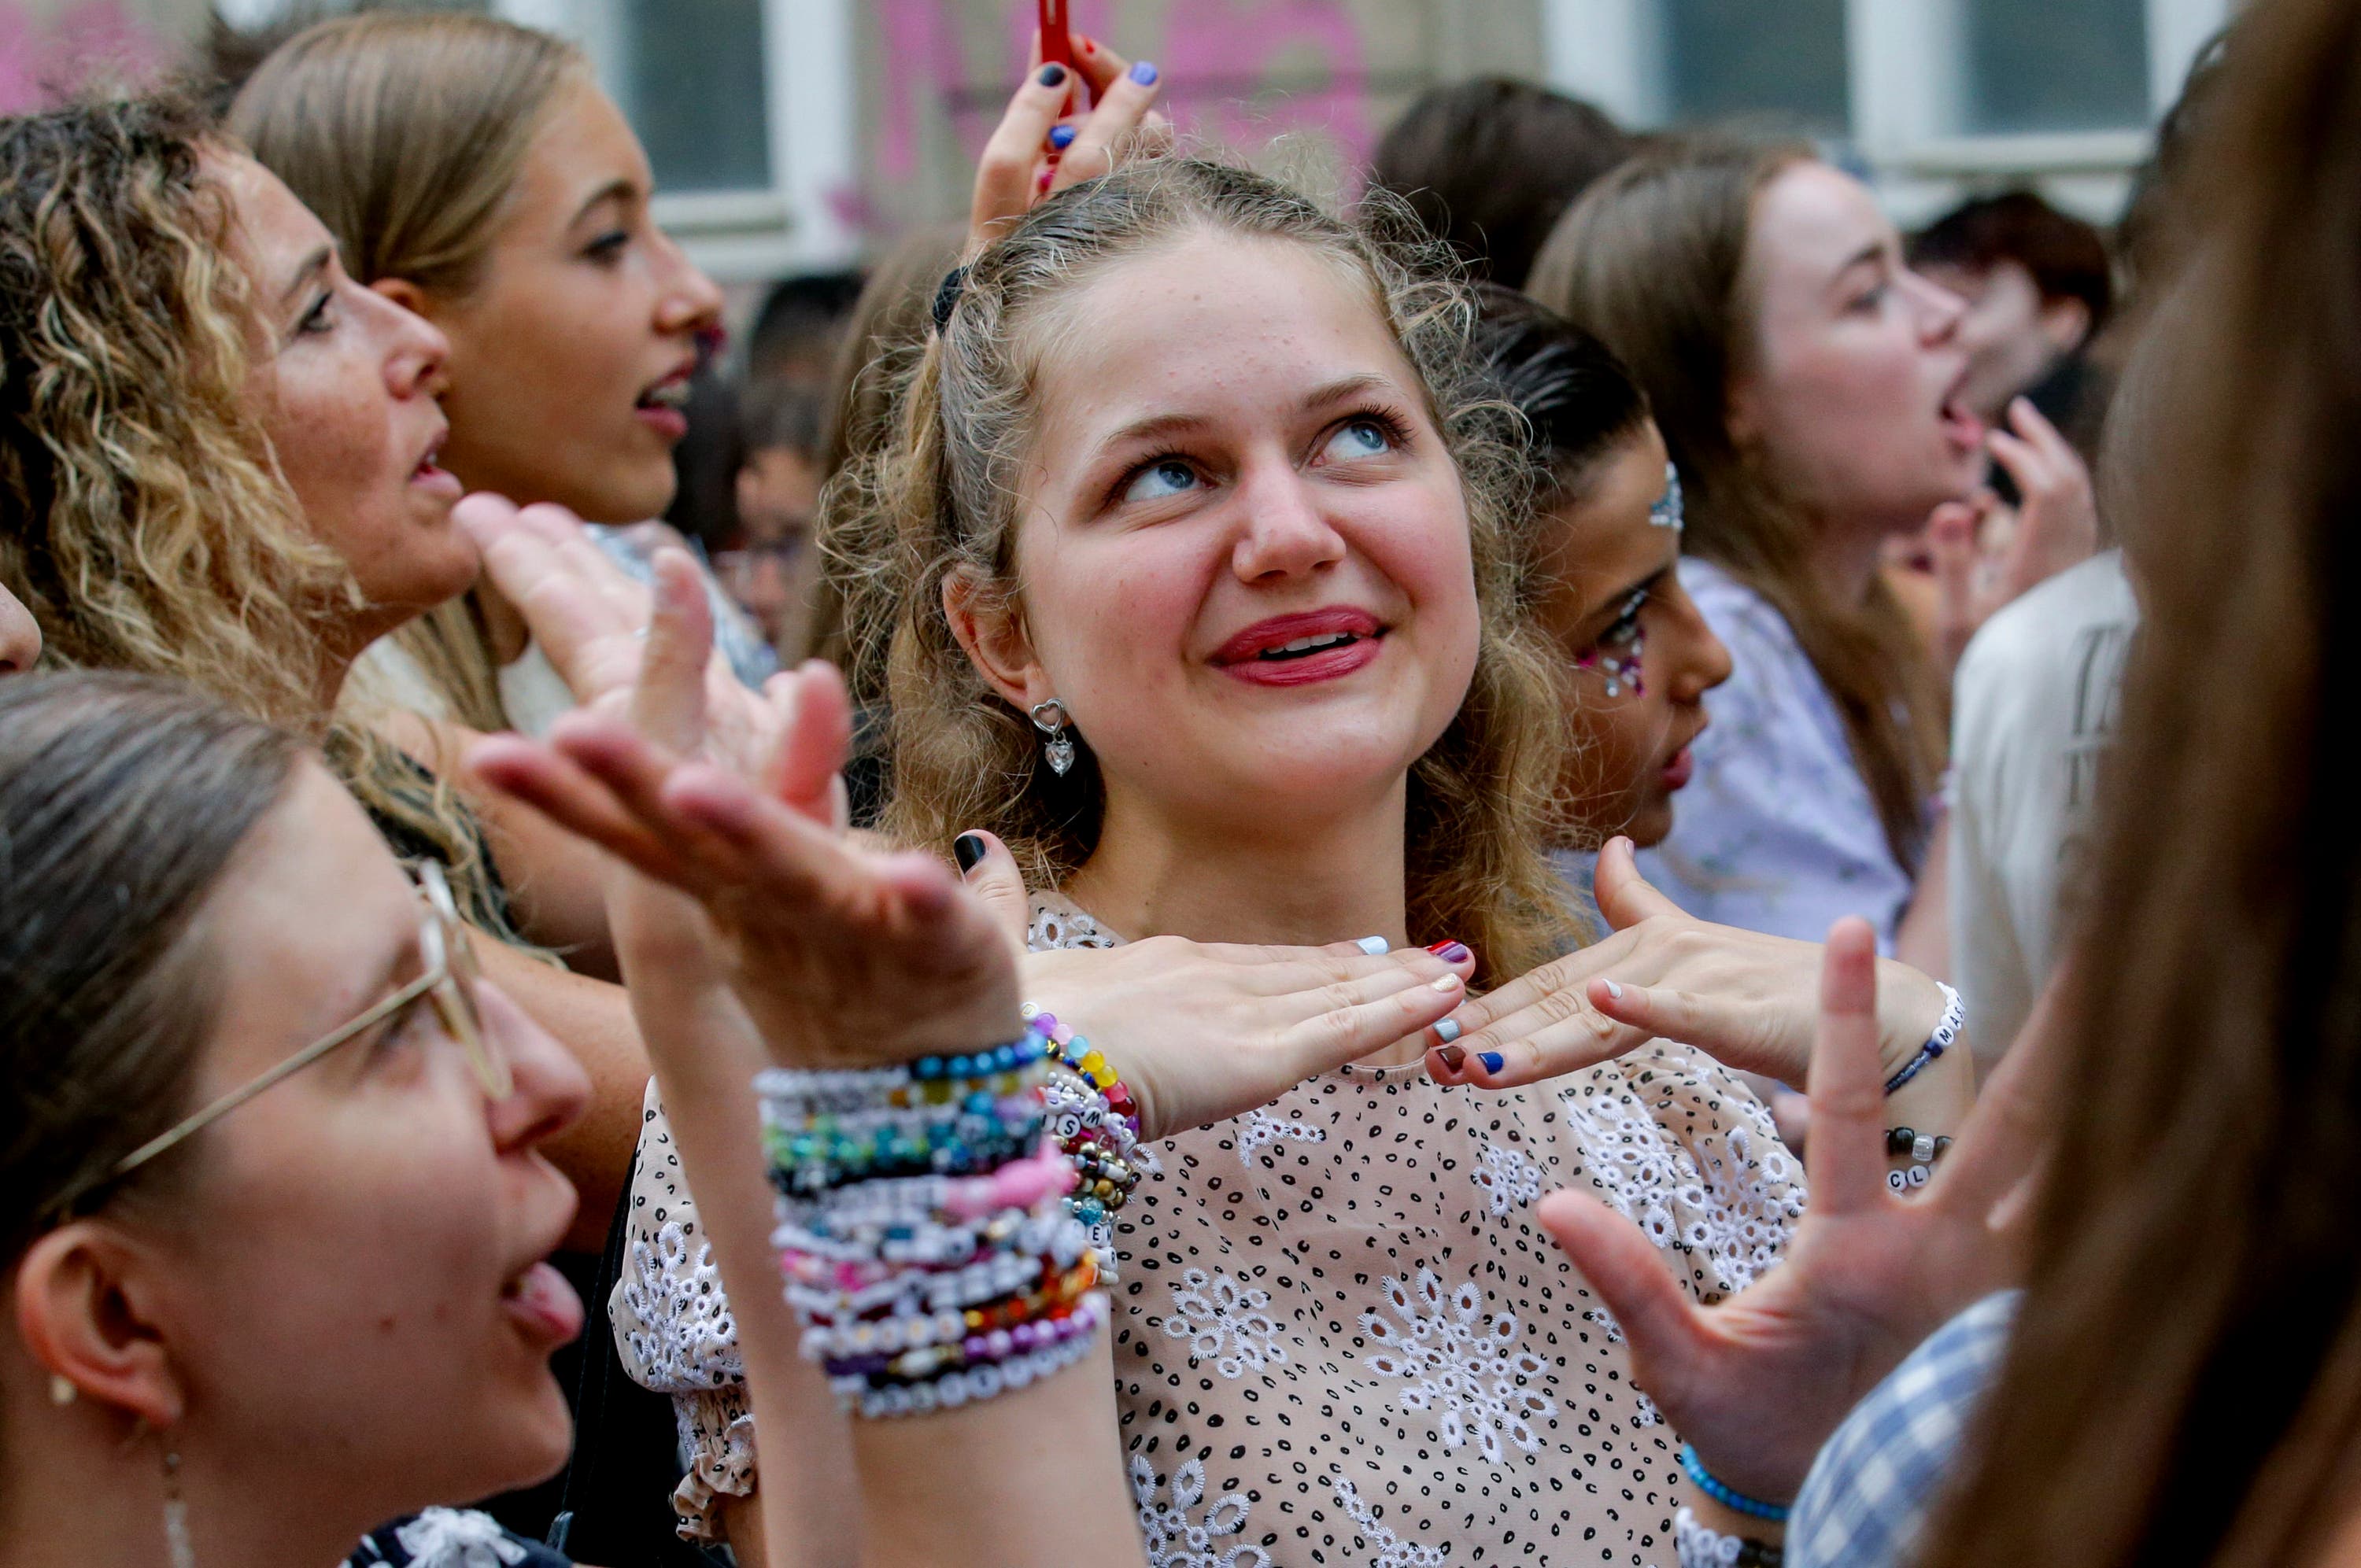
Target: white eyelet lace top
[{"x": 1339, "y": 1337}]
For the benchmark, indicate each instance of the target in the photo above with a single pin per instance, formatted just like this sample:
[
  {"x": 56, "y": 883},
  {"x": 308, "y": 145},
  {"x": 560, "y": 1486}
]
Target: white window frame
[
  {"x": 791, "y": 226},
  {"x": 1904, "y": 87}
]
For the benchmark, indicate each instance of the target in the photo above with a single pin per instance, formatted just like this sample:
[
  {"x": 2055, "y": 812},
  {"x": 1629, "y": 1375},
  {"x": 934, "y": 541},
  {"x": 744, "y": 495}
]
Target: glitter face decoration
[
  {"x": 1617, "y": 653},
  {"x": 1666, "y": 511}
]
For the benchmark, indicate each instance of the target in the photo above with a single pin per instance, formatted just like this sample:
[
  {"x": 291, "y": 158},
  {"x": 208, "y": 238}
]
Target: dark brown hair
[
  {"x": 2067, "y": 257},
  {"x": 123, "y": 799},
  {"x": 1654, "y": 260},
  {"x": 1488, "y": 165},
  {"x": 2185, "y": 1381}
]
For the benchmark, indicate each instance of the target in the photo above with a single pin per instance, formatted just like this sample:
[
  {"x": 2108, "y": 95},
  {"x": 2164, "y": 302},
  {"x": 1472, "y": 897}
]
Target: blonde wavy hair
[
  {"x": 147, "y": 524},
  {"x": 943, "y": 497}
]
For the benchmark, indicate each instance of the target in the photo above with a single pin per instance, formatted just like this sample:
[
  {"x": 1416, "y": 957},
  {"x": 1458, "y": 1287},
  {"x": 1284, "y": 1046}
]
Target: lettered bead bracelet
[
  {"x": 1698, "y": 1547},
  {"x": 925, "y": 1226},
  {"x": 1947, "y": 1031},
  {"x": 1095, "y": 1122}
]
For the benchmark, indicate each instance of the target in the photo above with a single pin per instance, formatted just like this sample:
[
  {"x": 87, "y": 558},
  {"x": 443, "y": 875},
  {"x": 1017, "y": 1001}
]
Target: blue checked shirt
[{"x": 1876, "y": 1480}]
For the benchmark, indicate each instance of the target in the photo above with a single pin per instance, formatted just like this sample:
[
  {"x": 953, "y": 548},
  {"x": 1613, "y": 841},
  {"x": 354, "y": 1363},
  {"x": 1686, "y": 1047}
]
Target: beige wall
[{"x": 1329, "y": 74}]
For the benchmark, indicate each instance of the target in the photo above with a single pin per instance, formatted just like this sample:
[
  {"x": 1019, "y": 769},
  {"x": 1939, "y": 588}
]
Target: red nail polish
[
  {"x": 1452, "y": 1056},
  {"x": 1451, "y": 952}
]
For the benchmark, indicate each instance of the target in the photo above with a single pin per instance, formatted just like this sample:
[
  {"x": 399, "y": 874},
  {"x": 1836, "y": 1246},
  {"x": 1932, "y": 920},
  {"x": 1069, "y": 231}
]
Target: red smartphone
[{"x": 1057, "y": 41}]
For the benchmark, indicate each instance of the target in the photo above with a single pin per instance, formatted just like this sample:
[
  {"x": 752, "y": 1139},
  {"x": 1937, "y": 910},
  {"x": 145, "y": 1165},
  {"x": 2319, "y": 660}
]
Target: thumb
[
  {"x": 990, "y": 873},
  {"x": 668, "y": 699},
  {"x": 1625, "y": 896},
  {"x": 1624, "y": 1269}
]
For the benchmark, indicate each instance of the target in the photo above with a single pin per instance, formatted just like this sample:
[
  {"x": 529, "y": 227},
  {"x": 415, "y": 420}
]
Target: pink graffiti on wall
[
  {"x": 1227, "y": 42},
  {"x": 45, "y": 58}
]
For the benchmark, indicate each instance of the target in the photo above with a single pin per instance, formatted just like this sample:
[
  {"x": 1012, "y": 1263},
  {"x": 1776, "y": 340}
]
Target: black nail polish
[
  {"x": 970, "y": 848},
  {"x": 1053, "y": 75}
]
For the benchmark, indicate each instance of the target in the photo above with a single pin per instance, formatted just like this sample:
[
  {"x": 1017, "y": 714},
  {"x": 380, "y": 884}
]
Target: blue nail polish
[
  {"x": 1493, "y": 1060},
  {"x": 1376, "y": 946},
  {"x": 1143, "y": 73},
  {"x": 1062, "y": 136},
  {"x": 1447, "y": 1031},
  {"x": 1053, "y": 75}
]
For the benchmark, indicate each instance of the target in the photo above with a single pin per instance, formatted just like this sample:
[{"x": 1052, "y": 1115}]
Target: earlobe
[
  {"x": 2066, "y": 322},
  {"x": 990, "y": 629},
  {"x": 82, "y": 1315}
]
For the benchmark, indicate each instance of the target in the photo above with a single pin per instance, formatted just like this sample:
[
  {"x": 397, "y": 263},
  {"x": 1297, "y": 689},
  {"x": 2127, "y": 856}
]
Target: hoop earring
[{"x": 1057, "y": 747}]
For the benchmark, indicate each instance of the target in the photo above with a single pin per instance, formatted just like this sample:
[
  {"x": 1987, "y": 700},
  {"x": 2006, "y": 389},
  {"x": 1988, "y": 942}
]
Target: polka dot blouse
[{"x": 1340, "y": 1338}]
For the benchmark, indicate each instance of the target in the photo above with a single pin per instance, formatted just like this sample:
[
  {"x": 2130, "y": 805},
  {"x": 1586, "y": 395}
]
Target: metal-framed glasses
[{"x": 448, "y": 980}]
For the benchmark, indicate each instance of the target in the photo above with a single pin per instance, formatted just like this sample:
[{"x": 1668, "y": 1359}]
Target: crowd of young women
[{"x": 1134, "y": 1150}]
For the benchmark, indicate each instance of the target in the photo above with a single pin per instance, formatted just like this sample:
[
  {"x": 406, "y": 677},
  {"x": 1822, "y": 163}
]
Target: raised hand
[
  {"x": 590, "y": 618},
  {"x": 1759, "y": 1381},
  {"x": 1986, "y": 555},
  {"x": 1744, "y": 998},
  {"x": 1018, "y": 168},
  {"x": 1202, "y": 1031},
  {"x": 841, "y": 956}
]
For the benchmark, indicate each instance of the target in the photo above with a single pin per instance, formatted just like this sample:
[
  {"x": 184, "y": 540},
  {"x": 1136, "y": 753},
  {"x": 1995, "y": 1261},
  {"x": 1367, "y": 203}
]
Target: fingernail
[
  {"x": 1615, "y": 991},
  {"x": 1143, "y": 73},
  {"x": 1052, "y": 75},
  {"x": 1376, "y": 946},
  {"x": 1451, "y": 952},
  {"x": 970, "y": 848},
  {"x": 1452, "y": 1057},
  {"x": 1062, "y": 136},
  {"x": 1448, "y": 983},
  {"x": 1043, "y": 183},
  {"x": 1449, "y": 1030},
  {"x": 1493, "y": 1061},
  {"x": 1090, "y": 45}
]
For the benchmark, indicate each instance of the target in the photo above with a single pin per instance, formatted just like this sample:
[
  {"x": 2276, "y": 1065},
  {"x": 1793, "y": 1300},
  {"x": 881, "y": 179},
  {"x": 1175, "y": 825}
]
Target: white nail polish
[
  {"x": 1448, "y": 1030},
  {"x": 1376, "y": 946},
  {"x": 1448, "y": 983},
  {"x": 1614, "y": 990}
]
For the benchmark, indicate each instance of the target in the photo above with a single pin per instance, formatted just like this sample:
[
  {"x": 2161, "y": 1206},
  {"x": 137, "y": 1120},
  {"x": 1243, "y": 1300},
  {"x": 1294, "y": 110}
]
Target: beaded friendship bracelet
[
  {"x": 1735, "y": 1501},
  {"x": 1922, "y": 1149},
  {"x": 1698, "y": 1547},
  {"x": 943, "y": 1226},
  {"x": 1947, "y": 1031}
]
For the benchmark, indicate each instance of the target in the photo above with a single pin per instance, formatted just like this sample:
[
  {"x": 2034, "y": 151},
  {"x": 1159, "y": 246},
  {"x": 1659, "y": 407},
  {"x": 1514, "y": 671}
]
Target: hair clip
[
  {"x": 947, "y": 297},
  {"x": 1666, "y": 511}
]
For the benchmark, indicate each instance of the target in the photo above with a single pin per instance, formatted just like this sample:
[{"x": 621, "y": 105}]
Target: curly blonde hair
[
  {"x": 941, "y": 498},
  {"x": 147, "y": 525}
]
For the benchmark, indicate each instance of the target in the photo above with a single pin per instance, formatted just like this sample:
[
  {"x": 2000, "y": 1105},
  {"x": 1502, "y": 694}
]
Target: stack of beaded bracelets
[
  {"x": 1922, "y": 1149},
  {"x": 1698, "y": 1547},
  {"x": 1094, "y": 1120},
  {"x": 924, "y": 1233},
  {"x": 1955, "y": 1016}
]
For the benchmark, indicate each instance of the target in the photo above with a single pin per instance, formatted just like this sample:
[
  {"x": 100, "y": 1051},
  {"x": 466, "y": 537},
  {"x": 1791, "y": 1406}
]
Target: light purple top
[{"x": 1777, "y": 831}]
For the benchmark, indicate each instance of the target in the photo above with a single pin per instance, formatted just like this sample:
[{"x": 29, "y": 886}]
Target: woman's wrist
[{"x": 1912, "y": 1006}]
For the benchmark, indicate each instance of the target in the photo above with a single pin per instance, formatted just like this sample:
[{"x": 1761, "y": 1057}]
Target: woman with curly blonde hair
[{"x": 219, "y": 462}]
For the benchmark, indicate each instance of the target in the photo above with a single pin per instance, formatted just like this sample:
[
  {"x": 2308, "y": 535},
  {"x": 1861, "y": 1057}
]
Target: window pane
[
  {"x": 2057, "y": 65},
  {"x": 691, "y": 80},
  {"x": 1743, "y": 58}
]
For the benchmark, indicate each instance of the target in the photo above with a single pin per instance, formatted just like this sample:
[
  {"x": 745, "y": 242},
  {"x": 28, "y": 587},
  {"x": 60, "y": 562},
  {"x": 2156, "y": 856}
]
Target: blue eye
[
  {"x": 1361, "y": 438},
  {"x": 1164, "y": 477}
]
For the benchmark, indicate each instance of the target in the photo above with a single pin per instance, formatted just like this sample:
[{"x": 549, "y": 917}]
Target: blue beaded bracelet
[
  {"x": 1955, "y": 1017},
  {"x": 1736, "y": 1502}
]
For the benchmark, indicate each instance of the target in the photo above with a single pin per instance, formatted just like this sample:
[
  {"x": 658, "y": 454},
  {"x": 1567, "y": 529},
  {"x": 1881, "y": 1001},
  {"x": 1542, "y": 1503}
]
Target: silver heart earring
[{"x": 1057, "y": 747}]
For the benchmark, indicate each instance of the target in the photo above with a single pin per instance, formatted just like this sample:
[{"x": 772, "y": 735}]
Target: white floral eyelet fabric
[{"x": 1340, "y": 1338}]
